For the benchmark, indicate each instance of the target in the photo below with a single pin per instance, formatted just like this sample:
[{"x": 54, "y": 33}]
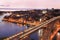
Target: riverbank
[{"x": 22, "y": 21}]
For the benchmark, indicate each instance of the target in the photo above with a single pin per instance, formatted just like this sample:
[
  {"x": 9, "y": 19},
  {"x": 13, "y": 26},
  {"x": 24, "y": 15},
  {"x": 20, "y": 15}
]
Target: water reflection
[
  {"x": 40, "y": 32},
  {"x": 8, "y": 29},
  {"x": 34, "y": 36}
]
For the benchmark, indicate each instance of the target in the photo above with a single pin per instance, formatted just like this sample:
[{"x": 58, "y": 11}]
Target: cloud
[{"x": 30, "y": 3}]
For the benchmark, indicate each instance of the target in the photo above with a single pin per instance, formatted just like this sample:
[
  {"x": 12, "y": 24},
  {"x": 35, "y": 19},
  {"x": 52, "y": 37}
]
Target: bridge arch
[{"x": 54, "y": 35}]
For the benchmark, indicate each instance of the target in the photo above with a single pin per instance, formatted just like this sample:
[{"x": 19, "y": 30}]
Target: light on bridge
[
  {"x": 58, "y": 33},
  {"x": 40, "y": 20}
]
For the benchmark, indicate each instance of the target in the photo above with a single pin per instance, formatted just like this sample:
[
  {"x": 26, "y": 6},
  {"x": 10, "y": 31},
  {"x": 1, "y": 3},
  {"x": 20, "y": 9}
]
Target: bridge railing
[{"x": 30, "y": 30}]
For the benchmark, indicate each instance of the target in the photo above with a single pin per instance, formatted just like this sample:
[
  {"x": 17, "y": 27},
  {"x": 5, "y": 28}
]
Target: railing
[{"x": 32, "y": 29}]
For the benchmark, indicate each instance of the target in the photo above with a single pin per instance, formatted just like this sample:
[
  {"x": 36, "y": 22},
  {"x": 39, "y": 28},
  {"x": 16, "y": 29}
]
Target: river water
[{"x": 8, "y": 29}]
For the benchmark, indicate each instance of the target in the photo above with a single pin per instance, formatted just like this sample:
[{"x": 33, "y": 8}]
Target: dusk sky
[{"x": 30, "y": 4}]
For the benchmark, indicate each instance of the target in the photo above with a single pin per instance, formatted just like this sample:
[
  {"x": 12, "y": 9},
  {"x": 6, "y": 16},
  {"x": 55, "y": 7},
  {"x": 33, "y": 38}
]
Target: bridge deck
[{"x": 32, "y": 29}]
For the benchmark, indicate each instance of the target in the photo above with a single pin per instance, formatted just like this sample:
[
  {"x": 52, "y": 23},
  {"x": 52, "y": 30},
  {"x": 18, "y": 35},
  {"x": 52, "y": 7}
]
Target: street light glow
[{"x": 44, "y": 12}]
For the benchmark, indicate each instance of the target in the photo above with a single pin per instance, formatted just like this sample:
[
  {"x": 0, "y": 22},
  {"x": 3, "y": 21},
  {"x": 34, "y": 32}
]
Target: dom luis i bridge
[
  {"x": 22, "y": 25},
  {"x": 48, "y": 30}
]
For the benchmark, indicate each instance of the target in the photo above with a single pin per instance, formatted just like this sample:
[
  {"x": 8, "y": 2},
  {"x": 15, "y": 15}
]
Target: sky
[{"x": 35, "y": 4}]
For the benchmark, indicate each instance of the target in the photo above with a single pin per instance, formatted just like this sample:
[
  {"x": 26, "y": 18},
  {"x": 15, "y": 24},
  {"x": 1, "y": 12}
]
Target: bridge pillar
[
  {"x": 49, "y": 28},
  {"x": 57, "y": 28}
]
